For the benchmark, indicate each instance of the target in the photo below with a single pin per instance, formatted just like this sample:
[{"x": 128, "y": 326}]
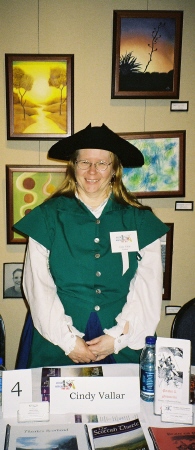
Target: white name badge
[
  {"x": 17, "y": 388},
  {"x": 94, "y": 396},
  {"x": 124, "y": 242}
]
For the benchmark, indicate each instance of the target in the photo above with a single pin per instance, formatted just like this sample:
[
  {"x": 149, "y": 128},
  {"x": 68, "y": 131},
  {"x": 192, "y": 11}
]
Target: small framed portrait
[{"x": 12, "y": 280}]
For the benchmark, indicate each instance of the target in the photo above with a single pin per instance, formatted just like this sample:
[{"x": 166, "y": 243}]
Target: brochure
[{"x": 172, "y": 372}]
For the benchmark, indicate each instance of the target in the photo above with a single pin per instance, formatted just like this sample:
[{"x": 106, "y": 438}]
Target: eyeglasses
[{"x": 100, "y": 166}]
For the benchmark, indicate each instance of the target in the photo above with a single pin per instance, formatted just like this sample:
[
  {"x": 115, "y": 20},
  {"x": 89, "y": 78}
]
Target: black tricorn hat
[{"x": 97, "y": 137}]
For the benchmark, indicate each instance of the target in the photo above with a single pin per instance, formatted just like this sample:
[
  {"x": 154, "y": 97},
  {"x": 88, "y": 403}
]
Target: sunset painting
[
  {"x": 39, "y": 97},
  {"x": 147, "y": 55}
]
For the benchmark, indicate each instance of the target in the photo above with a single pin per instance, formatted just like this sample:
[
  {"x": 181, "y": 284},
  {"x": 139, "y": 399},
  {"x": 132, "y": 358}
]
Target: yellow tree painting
[{"x": 39, "y": 96}]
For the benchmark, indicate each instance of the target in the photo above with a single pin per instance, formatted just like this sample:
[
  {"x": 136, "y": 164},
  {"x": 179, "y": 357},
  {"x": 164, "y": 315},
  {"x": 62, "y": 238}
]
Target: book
[
  {"x": 47, "y": 372},
  {"x": 172, "y": 372},
  {"x": 118, "y": 436},
  {"x": 59, "y": 436},
  {"x": 121, "y": 436},
  {"x": 173, "y": 438},
  {"x": 192, "y": 388}
]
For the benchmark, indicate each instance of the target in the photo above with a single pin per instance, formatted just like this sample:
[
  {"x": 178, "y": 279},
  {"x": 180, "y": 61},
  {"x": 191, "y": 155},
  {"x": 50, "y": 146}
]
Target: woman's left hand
[{"x": 101, "y": 346}]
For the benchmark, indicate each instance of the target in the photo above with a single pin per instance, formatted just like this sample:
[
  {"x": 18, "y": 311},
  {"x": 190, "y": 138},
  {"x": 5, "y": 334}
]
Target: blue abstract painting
[{"x": 160, "y": 172}]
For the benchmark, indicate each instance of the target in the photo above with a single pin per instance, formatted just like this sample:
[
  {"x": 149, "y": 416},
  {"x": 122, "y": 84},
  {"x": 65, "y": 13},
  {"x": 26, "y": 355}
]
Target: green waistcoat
[{"x": 87, "y": 274}]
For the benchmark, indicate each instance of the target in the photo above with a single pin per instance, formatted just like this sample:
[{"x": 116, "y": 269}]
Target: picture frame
[
  {"x": 39, "y": 96},
  {"x": 27, "y": 187},
  {"x": 163, "y": 173},
  {"x": 167, "y": 255},
  {"x": 12, "y": 280},
  {"x": 146, "y": 55}
]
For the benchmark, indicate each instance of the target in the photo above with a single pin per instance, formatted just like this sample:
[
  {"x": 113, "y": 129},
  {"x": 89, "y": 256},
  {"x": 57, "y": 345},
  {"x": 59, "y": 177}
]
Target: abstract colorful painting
[
  {"x": 39, "y": 96},
  {"x": 27, "y": 187},
  {"x": 163, "y": 172},
  {"x": 146, "y": 54}
]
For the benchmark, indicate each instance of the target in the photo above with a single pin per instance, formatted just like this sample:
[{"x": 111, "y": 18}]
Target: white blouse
[{"x": 142, "y": 309}]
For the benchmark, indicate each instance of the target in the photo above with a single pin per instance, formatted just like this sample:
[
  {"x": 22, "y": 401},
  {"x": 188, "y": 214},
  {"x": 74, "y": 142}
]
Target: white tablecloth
[{"x": 146, "y": 416}]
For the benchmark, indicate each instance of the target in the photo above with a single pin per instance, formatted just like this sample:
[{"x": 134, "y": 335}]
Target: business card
[{"x": 177, "y": 413}]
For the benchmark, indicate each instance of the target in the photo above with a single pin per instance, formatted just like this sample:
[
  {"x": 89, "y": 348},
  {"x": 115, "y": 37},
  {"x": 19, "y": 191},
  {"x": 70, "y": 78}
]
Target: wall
[{"x": 84, "y": 28}]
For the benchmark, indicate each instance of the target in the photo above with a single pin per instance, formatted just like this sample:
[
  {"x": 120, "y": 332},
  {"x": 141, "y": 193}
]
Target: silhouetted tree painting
[
  {"x": 22, "y": 82},
  {"x": 155, "y": 37},
  {"x": 133, "y": 75},
  {"x": 128, "y": 64},
  {"x": 58, "y": 80}
]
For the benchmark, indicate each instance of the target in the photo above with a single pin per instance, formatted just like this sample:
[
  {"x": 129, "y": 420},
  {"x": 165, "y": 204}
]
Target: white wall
[{"x": 84, "y": 28}]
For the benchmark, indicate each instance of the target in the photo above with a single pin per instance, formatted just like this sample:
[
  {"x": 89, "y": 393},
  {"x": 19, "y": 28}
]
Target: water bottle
[
  {"x": 147, "y": 360},
  {"x": 1, "y": 370}
]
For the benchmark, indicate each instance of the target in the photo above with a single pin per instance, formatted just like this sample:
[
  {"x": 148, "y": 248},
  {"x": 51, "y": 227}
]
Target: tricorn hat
[{"x": 97, "y": 137}]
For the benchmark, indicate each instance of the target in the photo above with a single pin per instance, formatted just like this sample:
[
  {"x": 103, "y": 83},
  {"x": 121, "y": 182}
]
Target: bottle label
[
  {"x": 147, "y": 382},
  {"x": 0, "y": 385}
]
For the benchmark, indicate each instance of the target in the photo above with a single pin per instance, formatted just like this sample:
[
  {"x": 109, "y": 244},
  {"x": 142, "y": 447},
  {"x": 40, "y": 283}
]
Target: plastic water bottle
[
  {"x": 147, "y": 360},
  {"x": 1, "y": 370}
]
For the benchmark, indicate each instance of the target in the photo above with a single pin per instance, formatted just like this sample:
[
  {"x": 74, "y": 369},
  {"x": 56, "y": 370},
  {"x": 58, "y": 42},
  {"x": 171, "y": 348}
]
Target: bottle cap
[{"x": 150, "y": 340}]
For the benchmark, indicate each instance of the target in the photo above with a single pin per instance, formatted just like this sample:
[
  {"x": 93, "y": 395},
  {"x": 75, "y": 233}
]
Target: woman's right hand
[{"x": 81, "y": 352}]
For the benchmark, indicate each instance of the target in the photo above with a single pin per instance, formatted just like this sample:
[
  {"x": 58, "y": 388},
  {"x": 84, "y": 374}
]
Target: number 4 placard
[{"x": 16, "y": 389}]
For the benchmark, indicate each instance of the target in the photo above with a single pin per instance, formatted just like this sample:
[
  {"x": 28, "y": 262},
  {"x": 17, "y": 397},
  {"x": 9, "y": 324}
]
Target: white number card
[{"x": 16, "y": 389}]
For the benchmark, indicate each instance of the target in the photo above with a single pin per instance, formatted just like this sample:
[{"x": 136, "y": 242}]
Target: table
[{"x": 146, "y": 416}]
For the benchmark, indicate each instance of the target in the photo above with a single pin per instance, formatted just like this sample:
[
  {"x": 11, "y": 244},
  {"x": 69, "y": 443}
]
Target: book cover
[
  {"x": 59, "y": 436},
  {"x": 121, "y": 436},
  {"x": 47, "y": 372},
  {"x": 179, "y": 438},
  {"x": 172, "y": 372}
]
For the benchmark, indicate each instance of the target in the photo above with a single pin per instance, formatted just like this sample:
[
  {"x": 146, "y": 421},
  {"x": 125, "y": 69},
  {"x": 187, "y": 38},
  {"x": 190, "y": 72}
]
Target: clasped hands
[{"x": 92, "y": 351}]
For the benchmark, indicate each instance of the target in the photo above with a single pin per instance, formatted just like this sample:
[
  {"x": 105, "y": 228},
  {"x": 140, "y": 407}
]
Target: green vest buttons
[
  {"x": 97, "y": 255},
  {"x": 97, "y": 308},
  {"x": 96, "y": 240},
  {"x": 98, "y": 291},
  {"x": 98, "y": 274}
]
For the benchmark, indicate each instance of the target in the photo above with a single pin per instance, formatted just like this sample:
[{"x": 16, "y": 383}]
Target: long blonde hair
[{"x": 121, "y": 194}]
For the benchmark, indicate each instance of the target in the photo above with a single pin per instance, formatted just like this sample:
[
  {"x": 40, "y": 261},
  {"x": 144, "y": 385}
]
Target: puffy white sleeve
[
  {"x": 143, "y": 306},
  {"x": 47, "y": 311}
]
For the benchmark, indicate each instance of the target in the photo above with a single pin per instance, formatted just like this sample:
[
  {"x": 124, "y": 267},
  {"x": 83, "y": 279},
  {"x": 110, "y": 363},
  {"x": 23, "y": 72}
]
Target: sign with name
[{"x": 90, "y": 395}]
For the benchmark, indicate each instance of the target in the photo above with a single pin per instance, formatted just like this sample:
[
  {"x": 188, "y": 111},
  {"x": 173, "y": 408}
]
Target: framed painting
[
  {"x": 146, "y": 55},
  {"x": 27, "y": 187},
  {"x": 163, "y": 172},
  {"x": 12, "y": 280},
  {"x": 167, "y": 255},
  {"x": 39, "y": 96}
]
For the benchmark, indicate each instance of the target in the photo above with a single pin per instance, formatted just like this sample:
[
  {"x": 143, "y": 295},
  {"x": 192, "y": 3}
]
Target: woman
[{"x": 93, "y": 271}]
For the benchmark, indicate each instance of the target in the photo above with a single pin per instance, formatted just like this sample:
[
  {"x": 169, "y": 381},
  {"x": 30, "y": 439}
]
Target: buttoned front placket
[{"x": 97, "y": 257}]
